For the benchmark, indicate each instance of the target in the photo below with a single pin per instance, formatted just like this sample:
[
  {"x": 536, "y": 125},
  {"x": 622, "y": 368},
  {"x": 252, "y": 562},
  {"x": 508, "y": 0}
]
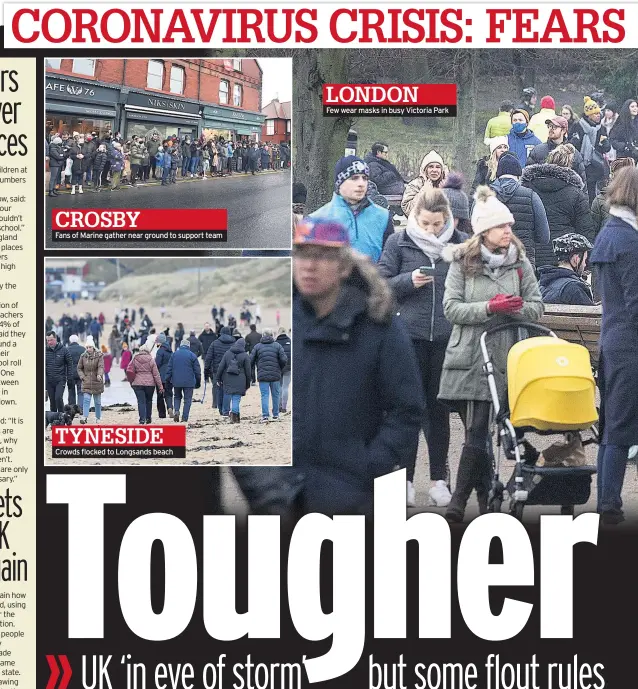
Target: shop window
[
  {"x": 155, "y": 74},
  {"x": 177, "y": 79},
  {"x": 54, "y": 62},
  {"x": 237, "y": 64},
  {"x": 237, "y": 95},
  {"x": 287, "y": 126},
  {"x": 83, "y": 65},
  {"x": 223, "y": 92},
  {"x": 270, "y": 127}
]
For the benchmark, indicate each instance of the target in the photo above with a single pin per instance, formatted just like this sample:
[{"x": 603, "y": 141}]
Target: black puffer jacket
[
  {"x": 196, "y": 346},
  {"x": 421, "y": 310},
  {"x": 235, "y": 384},
  {"x": 286, "y": 343},
  {"x": 563, "y": 286},
  {"x": 269, "y": 358},
  {"x": 59, "y": 364},
  {"x": 75, "y": 350},
  {"x": 383, "y": 173},
  {"x": 566, "y": 205},
  {"x": 217, "y": 350},
  {"x": 624, "y": 134},
  {"x": 207, "y": 339}
]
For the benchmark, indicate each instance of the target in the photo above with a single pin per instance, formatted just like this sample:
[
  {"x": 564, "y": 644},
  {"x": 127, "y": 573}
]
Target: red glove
[{"x": 504, "y": 303}]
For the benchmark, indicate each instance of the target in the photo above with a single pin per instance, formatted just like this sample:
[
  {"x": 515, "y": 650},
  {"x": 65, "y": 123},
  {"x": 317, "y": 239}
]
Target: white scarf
[
  {"x": 430, "y": 244},
  {"x": 625, "y": 214},
  {"x": 495, "y": 261}
]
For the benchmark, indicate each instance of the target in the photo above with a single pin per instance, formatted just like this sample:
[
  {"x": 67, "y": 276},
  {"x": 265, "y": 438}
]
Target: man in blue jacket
[
  {"x": 185, "y": 374},
  {"x": 564, "y": 284},
  {"x": 162, "y": 359},
  {"x": 368, "y": 225}
]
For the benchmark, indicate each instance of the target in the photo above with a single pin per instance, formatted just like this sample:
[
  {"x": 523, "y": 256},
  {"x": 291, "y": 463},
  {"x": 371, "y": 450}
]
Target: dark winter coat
[
  {"x": 186, "y": 149},
  {"x": 196, "y": 346},
  {"x": 207, "y": 339},
  {"x": 59, "y": 364},
  {"x": 286, "y": 343},
  {"x": 162, "y": 357},
  {"x": 99, "y": 161},
  {"x": 597, "y": 168},
  {"x": 235, "y": 384},
  {"x": 358, "y": 396},
  {"x": 482, "y": 175},
  {"x": 420, "y": 310},
  {"x": 252, "y": 339},
  {"x": 56, "y": 155},
  {"x": 624, "y": 134},
  {"x": 75, "y": 350},
  {"x": 116, "y": 158},
  {"x": 385, "y": 175},
  {"x": 566, "y": 205},
  {"x": 184, "y": 370},
  {"x": 269, "y": 358},
  {"x": 217, "y": 350},
  {"x": 539, "y": 155},
  {"x": 91, "y": 372},
  {"x": 599, "y": 212},
  {"x": 179, "y": 336},
  {"x": 615, "y": 256},
  {"x": 530, "y": 218},
  {"x": 563, "y": 286}
]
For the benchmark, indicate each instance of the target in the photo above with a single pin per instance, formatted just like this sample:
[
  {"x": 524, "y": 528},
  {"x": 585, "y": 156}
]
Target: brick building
[
  {"x": 170, "y": 96},
  {"x": 277, "y": 127}
]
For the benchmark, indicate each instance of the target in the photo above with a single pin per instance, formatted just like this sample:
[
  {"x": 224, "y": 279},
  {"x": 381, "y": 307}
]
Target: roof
[{"x": 276, "y": 110}]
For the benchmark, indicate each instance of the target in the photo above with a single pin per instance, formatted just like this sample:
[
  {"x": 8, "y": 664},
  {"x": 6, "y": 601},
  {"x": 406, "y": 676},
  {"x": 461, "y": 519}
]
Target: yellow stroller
[{"x": 551, "y": 390}]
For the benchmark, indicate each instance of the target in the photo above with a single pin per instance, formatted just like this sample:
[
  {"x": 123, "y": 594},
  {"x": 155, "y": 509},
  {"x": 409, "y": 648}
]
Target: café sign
[{"x": 76, "y": 91}]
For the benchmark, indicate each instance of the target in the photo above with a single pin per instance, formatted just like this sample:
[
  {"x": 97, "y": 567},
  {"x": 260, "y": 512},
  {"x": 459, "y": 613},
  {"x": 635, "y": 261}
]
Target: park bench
[{"x": 579, "y": 324}]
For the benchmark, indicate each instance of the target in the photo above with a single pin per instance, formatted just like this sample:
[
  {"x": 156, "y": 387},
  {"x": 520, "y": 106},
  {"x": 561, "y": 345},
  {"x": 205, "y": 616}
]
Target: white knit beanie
[
  {"x": 73, "y": 339},
  {"x": 498, "y": 141},
  {"x": 90, "y": 342},
  {"x": 488, "y": 211}
]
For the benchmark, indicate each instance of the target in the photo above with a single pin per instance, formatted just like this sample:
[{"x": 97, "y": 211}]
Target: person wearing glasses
[{"x": 557, "y": 128}]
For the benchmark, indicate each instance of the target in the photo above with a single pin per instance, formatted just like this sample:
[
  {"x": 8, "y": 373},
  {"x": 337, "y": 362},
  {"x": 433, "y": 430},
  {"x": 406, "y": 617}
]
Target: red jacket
[{"x": 145, "y": 369}]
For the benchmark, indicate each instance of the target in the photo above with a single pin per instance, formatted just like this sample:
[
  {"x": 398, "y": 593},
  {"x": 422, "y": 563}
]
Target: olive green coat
[
  {"x": 465, "y": 306},
  {"x": 91, "y": 372}
]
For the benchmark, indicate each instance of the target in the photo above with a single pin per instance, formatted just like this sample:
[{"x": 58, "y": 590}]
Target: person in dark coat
[
  {"x": 74, "y": 383},
  {"x": 269, "y": 359},
  {"x": 566, "y": 204},
  {"x": 206, "y": 338},
  {"x": 162, "y": 357},
  {"x": 615, "y": 257},
  {"x": 624, "y": 134},
  {"x": 58, "y": 369},
  {"x": 530, "y": 218},
  {"x": 564, "y": 284},
  {"x": 196, "y": 345},
  {"x": 557, "y": 135},
  {"x": 234, "y": 375},
  {"x": 212, "y": 360},
  {"x": 252, "y": 339},
  {"x": 57, "y": 161},
  {"x": 284, "y": 340},
  {"x": 185, "y": 375},
  {"x": 358, "y": 405},
  {"x": 383, "y": 173},
  {"x": 179, "y": 335},
  {"x": 412, "y": 263},
  {"x": 590, "y": 139}
]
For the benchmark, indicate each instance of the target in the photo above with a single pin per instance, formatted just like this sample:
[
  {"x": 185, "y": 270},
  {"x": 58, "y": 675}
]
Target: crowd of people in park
[
  {"x": 77, "y": 161},
  {"x": 169, "y": 367},
  {"x": 389, "y": 321}
]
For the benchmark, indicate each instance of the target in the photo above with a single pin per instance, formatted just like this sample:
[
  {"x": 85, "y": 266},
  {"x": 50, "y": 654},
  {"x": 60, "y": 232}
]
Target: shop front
[
  {"x": 232, "y": 124},
  {"x": 76, "y": 105},
  {"x": 146, "y": 114}
]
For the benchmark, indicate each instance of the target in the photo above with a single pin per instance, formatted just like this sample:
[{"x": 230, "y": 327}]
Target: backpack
[{"x": 233, "y": 367}]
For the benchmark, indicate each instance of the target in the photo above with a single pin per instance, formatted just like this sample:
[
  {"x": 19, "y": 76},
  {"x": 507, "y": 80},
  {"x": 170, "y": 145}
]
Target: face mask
[{"x": 519, "y": 127}]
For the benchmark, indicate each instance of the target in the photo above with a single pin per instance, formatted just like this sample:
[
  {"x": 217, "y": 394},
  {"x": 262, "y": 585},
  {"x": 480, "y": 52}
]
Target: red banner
[
  {"x": 99, "y": 435},
  {"x": 141, "y": 219},
  {"x": 389, "y": 94}
]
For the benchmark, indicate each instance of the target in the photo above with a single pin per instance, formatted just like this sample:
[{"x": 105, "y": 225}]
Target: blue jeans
[
  {"x": 186, "y": 163},
  {"x": 193, "y": 165},
  {"x": 285, "y": 385},
  {"x": 166, "y": 173},
  {"x": 86, "y": 405},
  {"x": 188, "y": 400},
  {"x": 612, "y": 462},
  {"x": 231, "y": 403},
  {"x": 273, "y": 388},
  {"x": 219, "y": 391},
  {"x": 144, "y": 395}
]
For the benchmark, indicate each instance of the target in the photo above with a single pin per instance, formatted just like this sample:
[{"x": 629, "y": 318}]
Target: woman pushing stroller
[{"x": 489, "y": 281}]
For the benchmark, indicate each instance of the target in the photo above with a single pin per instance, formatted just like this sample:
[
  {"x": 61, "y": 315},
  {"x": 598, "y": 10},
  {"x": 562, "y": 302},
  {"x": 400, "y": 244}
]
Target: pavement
[{"x": 259, "y": 208}]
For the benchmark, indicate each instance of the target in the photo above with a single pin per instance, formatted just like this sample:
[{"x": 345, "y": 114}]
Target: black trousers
[
  {"x": 165, "y": 400},
  {"x": 56, "y": 395},
  {"x": 75, "y": 391},
  {"x": 475, "y": 416},
  {"x": 436, "y": 422},
  {"x": 144, "y": 394}
]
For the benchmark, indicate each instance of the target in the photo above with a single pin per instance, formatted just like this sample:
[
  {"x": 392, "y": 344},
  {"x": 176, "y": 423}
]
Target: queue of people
[{"x": 78, "y": 161}]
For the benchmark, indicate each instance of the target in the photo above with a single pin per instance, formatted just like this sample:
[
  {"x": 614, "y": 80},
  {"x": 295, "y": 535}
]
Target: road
[{"x": 259, "y": 208}]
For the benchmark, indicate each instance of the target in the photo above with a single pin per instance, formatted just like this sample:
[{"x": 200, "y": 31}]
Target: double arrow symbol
[{"x": 55, "y": 672}]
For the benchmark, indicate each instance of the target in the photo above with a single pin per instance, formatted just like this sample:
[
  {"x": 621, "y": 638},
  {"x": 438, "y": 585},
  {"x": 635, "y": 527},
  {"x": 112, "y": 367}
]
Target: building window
[
  {"x": 54, "y": 62},
  {"x": 223, "y": 91},
  {"x": 237, "y": 95},
  {"x": 177, "y": 79},
  {"x": 270, "y": 127},
  {"x": 237, "y": 64},
  {"x": 155, "y": 74},
  {"x": 84, "y": 66},
  {"x": 287, "y": 126}
]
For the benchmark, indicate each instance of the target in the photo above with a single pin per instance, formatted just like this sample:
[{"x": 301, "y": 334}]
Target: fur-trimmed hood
[
  {"x": 380, "y": 298},
  {"x": 455, "y": 252},
  {"x": 563, "y": 175}
]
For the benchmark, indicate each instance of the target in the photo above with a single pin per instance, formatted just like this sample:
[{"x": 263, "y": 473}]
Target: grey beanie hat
[
  {"x": 185, "y": 343},
  {"x": 161, "y": 338},
  {"x": 457, "y": 198}
]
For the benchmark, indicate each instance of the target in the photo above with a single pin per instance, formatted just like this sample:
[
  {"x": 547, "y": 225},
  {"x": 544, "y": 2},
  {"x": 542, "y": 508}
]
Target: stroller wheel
[{"x": 567, "y": 510}]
